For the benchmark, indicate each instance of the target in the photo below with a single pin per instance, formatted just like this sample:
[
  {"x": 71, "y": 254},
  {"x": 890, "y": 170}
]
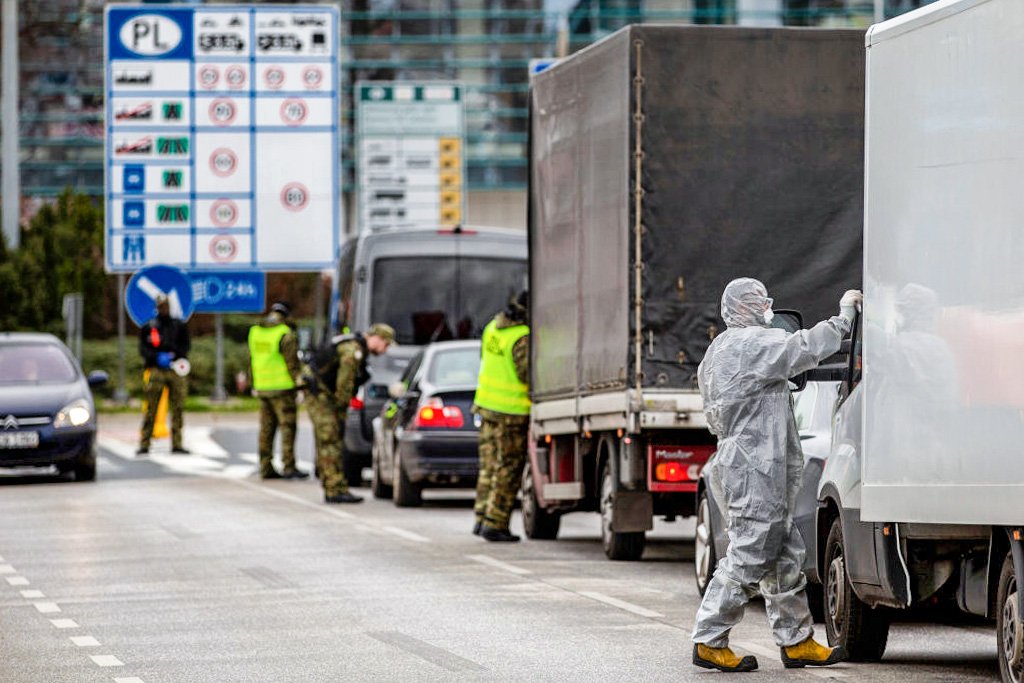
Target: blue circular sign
[{"x": 144, "y": 287}]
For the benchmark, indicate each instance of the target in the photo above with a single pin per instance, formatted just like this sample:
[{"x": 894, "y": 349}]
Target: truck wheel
[
  {"x": 406, "y": 494},
  {"x": 378, "y": 488},
  {"x": 1009, "y": 625},
  {"x": 863, "y": 631},
  {"x": 617, "y": 546},
  {"x": 704, "y": 559},
  {"x": 538, "y": 523}
]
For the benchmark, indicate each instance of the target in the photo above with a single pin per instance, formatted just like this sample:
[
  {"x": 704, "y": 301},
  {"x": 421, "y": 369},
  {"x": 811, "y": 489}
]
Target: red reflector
[
  {"x": 356, "y": 403},
  {"x": 436, "y": 414}
]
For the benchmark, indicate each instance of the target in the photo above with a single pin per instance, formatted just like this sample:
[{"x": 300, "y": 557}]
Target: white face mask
[{"x": 768, "y": 316}]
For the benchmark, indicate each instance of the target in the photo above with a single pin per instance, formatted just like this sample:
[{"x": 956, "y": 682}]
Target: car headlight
[{"x": 74, "y": 414}]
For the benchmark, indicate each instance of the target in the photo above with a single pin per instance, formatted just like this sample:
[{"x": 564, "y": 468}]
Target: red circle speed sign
[
  {"x": 294, "y": 196},
  {"x": 224, "y": 213},
  {"x": 223, "y": 248},
  {"x": 294, "y": 112},
  {"x": 222, "y": 112},
  {"x": 223, "y": 162}
]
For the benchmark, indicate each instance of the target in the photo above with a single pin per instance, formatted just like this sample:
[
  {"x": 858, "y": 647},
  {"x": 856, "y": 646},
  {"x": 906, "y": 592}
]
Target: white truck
[{"x": 922, "y": 496}]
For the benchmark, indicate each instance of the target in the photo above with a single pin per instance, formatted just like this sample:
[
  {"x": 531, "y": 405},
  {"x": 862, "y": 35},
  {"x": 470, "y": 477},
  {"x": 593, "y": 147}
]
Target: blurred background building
[{"x": 486, "y": 44}]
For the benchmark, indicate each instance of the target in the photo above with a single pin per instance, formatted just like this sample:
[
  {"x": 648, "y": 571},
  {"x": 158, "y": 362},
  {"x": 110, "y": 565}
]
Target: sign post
[{"x": 410, "y": 154}]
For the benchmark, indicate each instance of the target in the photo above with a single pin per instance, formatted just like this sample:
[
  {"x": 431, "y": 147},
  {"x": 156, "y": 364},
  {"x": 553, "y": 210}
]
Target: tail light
[
  {"x": 677, "y": 464},
  {"x": 434, "y": 413},
  {"x": 357, "y": 402}
]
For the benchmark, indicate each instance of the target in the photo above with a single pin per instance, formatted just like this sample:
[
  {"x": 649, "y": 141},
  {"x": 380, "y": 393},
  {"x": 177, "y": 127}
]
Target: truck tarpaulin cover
[{"x": 752, "y": 165}]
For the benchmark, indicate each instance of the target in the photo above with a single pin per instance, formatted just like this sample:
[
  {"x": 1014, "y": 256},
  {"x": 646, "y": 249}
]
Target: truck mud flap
[
  {"x": 632, "y": 511},
  {"x": 892, "y": 572}
]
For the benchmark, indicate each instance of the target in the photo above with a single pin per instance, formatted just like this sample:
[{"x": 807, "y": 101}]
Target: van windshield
[{"x": 429, "y": 299}]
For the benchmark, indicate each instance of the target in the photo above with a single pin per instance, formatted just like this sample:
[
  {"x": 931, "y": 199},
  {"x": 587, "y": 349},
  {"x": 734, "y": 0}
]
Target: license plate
[{"x": 19, "y": 440}]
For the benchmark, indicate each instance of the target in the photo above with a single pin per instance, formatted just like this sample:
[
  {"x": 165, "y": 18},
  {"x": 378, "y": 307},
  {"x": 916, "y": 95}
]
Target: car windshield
[
  {"x": 35, "y": 364},
  {"x": 454, "y": 368},
  {"x": 428, "y": 299}
]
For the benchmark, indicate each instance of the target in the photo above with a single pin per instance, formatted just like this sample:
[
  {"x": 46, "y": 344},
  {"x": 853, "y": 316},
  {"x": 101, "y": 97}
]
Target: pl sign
[{"x": 222, "y": 140}]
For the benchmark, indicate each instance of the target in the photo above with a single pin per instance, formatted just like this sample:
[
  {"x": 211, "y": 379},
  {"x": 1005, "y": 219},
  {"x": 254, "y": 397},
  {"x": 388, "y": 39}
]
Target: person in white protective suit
[{"x": 744, "y": 383}]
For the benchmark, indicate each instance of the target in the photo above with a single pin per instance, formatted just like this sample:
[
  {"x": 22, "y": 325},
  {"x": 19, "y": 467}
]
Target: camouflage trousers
[
  {"x": 177, "y": 390},
  {"x": 502, "y": 458},
  {"x": 329, "y": 432},
  {"x": 277, "y": 409}
]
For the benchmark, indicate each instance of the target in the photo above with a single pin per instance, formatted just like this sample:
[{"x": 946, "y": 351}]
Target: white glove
[{"x": 850, "y": 304}]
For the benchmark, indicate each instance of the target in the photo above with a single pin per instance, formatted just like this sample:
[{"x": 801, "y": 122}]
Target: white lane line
[
  {"x": 622, "y": 604},
  {"x": 504, "y": 566},
  {"x": 6, "y": 569},
  {"x": 251, "y": 458},
  {"x": 32, "y": 594},
  {"x": 46, "y": 607},
  {"x": 64, "y": 623},
  {"x": 200, "y": 441},
  {"x": 295, "y": 499},
  {"x": 408, "y": 535},
  {"x": 133, "y": 679},
  {"x": 85, "y": 641},
  {"x": 238, "y": 471},
  {"x": 17, "y": 580},
  {"x": 106, "y": 660}
]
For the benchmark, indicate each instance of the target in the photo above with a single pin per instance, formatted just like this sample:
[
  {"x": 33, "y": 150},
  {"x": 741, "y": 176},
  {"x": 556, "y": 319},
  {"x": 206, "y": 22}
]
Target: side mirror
[
  {"x": 97, "y": 378},
  {"x": 396, "y": 390},
  {"x": 791, "y": 321}
]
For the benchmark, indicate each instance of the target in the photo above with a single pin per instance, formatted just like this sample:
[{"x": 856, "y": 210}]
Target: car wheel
[
  {"x": 538, "y": 523},
  {"x": 704, "y": 556},
  {"x": 862, "y": 630},
  {"x": 617, "y": 546},
  {"x": 406, "y": 494},
  {"x": 379, "y": 489},
  {"x": 1009, "y": 625},
  {"x": 85, "y": 468}
]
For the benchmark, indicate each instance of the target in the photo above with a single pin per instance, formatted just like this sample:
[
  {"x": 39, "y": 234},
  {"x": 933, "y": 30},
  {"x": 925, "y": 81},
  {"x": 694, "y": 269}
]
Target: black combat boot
[
  {"x": 271, "y": 474},
  {"x": 498, "y": 535},
  {"x": 478, "y": 527},
  {"x": 295, "y": 474},
  {"x": 343, "y": 497}
]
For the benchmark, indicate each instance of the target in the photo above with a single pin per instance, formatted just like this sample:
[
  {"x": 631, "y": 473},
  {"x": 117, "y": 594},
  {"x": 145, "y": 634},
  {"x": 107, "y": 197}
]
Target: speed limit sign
[
  {"x": 294, "y": 112},
  {"x": 223, "y": 162},
  {"x": 222, "y": 112},
  {"x": 223, "y": 248},
  {"x": 224, "y": 213},
  {"x": 294, "y": 196}
]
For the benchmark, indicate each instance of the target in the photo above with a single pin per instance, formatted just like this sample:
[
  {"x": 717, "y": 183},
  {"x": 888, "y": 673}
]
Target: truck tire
[
  {"x": 378, "y": 488},
  {"x": 538, "y": 523},
  {"x": 1009, "y": 625},
  {"x": 627, "y": 546},
  {"x": 862, "y": 630},
  {"x": 406, "y": 494},
  {"x": 704, "y": 557}
]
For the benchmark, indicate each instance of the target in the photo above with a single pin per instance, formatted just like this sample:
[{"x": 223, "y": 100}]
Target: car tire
[
  {"x": 406, "y": 494},
  {"x": 863, "y": 631},
  {"x": 1009, "y": 625},
  {"x": 626, "y": 546},
  {"x": 538, "y": 523},
  {"x": 378, "y": 488},
  {"x": 85, "y": 468},
  {"x": 704, "y": 556}
]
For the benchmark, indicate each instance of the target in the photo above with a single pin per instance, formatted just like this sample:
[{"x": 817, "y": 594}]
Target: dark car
[
  {"x": 47, "y": 415},
  {"x": 426, "y": 436}
]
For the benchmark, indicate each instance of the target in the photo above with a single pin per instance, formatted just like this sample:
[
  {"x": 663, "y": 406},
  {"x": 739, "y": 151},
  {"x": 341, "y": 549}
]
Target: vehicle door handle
[{"x": 804, "y": 437}]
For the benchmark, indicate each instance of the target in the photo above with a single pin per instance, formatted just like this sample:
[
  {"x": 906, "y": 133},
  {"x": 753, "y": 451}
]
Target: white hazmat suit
[{"x": 744, "y": 383}]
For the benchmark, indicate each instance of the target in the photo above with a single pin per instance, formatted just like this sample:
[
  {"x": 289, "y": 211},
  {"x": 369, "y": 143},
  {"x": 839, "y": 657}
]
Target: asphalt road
[{"x": 188, "y": 568}]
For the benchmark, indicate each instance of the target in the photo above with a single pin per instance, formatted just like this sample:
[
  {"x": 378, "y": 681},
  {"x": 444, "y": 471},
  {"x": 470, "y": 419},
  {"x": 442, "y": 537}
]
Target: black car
[
  {"x": 47, "y": 415},
  {"x": 426, "y": 436}
]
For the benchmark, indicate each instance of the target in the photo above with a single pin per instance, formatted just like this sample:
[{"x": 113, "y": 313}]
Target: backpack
[{"x": 324, "y": 360}]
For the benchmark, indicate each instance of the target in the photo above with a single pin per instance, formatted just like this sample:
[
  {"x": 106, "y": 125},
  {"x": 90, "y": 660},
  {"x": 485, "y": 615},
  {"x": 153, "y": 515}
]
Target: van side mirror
[{"x": 791, "y": 321}]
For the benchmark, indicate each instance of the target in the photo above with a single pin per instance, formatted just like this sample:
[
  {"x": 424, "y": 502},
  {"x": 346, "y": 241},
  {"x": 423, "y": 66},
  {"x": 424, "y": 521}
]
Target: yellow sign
[
  {"x": 450, "y": 162},
  {"x": 451, "y": 179},
  {"x": 450, "y": 145},
  {"x": 451, "y": 215},
  {"x": 451, "y": 198}
]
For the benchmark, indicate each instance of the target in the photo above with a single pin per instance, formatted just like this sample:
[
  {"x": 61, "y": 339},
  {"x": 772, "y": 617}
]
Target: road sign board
[
  {"x": 146, "y": 284},
  {"x": 228, "y": 291},
  {"x": 410, "y": 154},
  {"x": 540, "y": 64},
  {"x": 222, "y": 139}
]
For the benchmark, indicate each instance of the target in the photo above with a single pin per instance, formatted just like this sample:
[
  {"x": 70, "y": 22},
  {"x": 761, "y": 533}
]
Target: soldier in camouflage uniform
[
  {"x": 328, "y": 404},
  {"x": 276, "y": 373},
  {"x": 163, "y": 340},
  {"x": 503, "y": 404}
]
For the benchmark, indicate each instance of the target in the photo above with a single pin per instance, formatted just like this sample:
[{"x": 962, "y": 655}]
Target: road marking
[
  {"x": 251, "y": 458},
  {"x": 32, "y": 594},
  {"x": 622, "y": 604},
  {"x": 408, "y": 535},
  {"x": 133, "y": 679},
  {"x": 1, "y": 558},
  {"x": 437, "y": 656},
  {"x": 46, "y": 607},
  {"x": 263, "y": 488},
  {"x": 110, "y": 466},
  {"x": 85, "y": 641},
  {"x": 64, "y": 623},
  {"x": 505, "y": 566},
  {"x": 121, "y": 449},
  {"x": 6, "y": 569},
  {"x": 238, "y": 471},
  {"x": 17, "y": 580},
  {"x": 106, "y": 660},
  {"x": 200, "y": 441}
]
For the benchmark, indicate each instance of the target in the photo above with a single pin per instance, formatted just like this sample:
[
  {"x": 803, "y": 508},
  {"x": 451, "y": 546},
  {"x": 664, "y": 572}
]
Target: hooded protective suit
[{"x": 744, "y": 383}]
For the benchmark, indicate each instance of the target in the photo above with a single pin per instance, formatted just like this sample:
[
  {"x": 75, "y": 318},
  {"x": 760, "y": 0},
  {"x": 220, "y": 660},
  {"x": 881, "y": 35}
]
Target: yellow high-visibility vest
[
  {"x": 269, "y": 371},
  {"x": 498, "y": 387}
]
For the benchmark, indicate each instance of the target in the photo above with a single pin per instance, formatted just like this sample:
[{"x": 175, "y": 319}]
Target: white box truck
[{"x": 922, "y": 497}]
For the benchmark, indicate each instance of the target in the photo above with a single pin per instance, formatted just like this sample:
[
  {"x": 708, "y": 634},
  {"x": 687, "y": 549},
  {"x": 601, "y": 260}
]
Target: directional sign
[
  {"x": 228, "y": 291},
  {"x": 540, "y": 64},
  {"x": 222, "y": 139},
  {"x": 152, "y": 281},
  {"x": 410, "y": 154}
]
